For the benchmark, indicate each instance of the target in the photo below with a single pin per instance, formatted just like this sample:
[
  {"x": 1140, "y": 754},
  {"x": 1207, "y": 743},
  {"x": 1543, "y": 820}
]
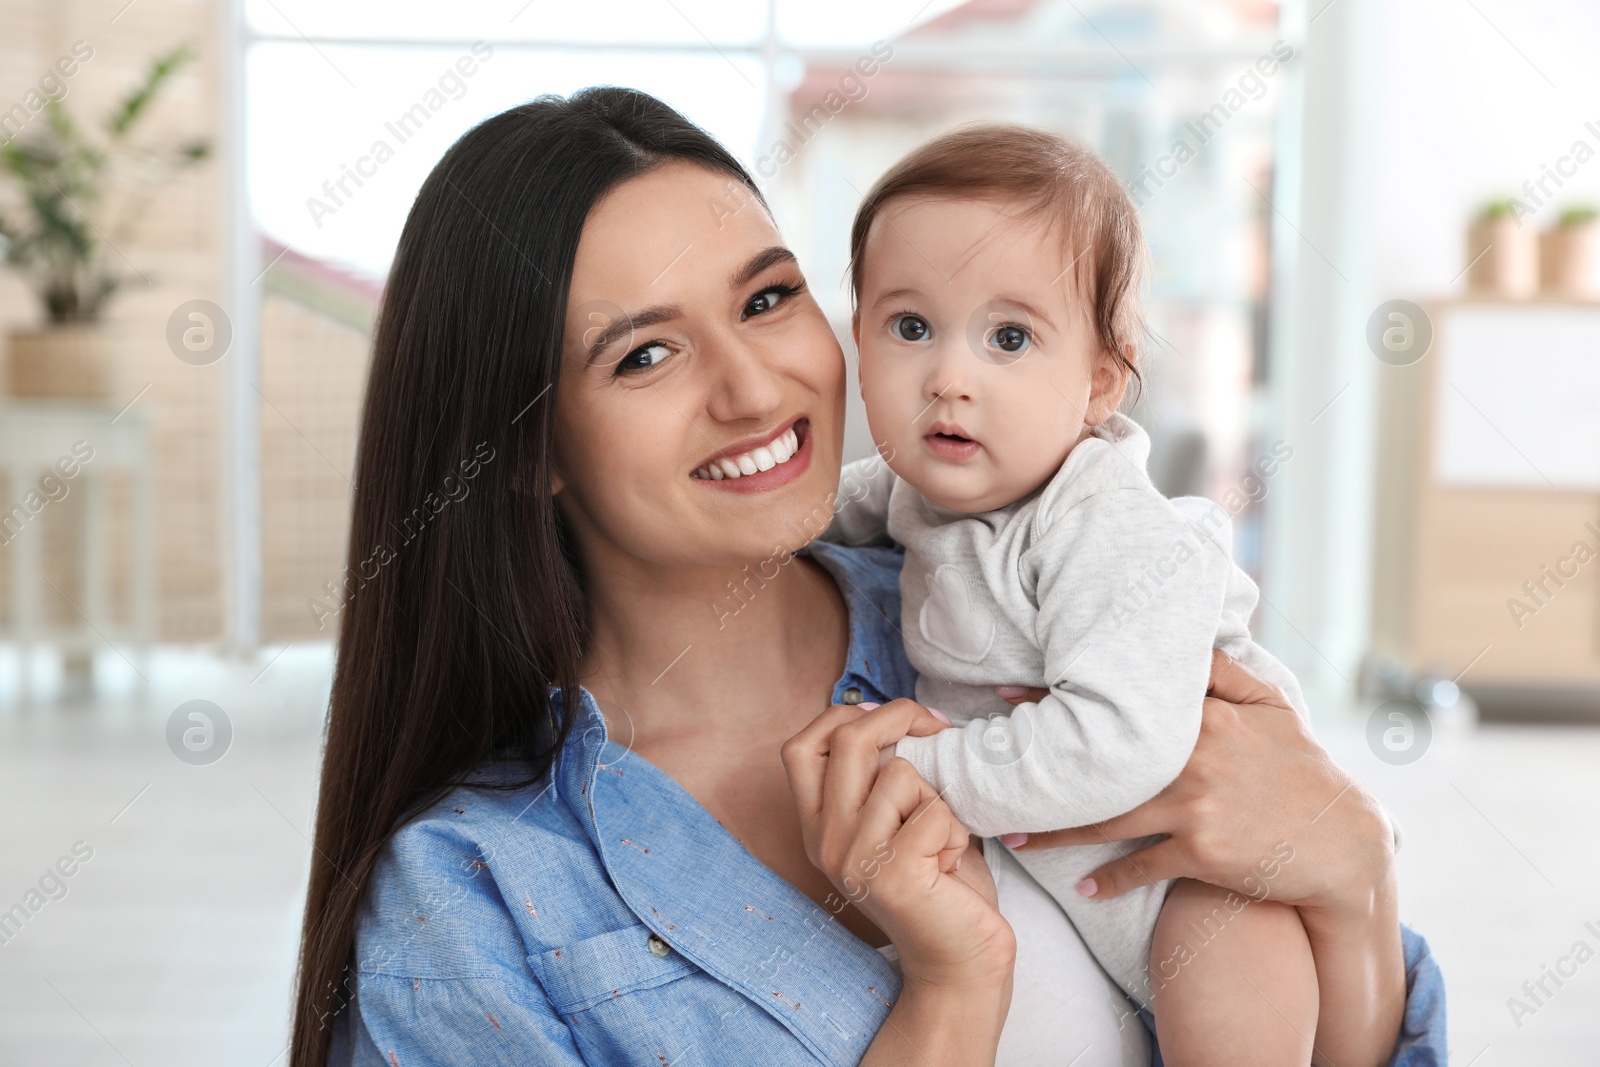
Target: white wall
[
  {"x": 1463, "y": 117},
  {"x": 1410, "y": 114}
]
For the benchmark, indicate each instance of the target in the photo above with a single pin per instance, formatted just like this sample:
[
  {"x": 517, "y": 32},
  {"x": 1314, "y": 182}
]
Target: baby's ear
[
  {"x": 855, "y": 336},
  {"x": 1109, "y": 383}
]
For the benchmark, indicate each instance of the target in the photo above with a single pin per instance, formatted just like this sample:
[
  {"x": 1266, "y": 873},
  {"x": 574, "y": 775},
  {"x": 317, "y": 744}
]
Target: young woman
[{"x": 584, "y": 798}]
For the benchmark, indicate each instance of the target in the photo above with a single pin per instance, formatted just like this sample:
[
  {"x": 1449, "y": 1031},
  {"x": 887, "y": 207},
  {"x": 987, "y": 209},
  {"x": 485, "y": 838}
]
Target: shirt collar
[
  {"x": 869, "y": 580},
  {"x": 686, "y": 878}
]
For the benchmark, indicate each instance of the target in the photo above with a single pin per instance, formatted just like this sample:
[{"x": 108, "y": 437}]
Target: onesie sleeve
[
  {"x": 1127, "y": 595},
  {"x": 861, "y": 505},
  {"x": 1239, "y": 604}
]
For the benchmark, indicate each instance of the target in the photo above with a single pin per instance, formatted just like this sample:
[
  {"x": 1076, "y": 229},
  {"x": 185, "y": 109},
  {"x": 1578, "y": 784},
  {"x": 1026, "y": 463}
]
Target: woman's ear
[
  {"x": 1108, "y": 385},
  {"x": 519, "y": 484}
]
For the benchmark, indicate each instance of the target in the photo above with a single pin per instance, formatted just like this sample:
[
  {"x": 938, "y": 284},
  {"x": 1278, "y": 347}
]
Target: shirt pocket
[{"x": 604, "y": 967}]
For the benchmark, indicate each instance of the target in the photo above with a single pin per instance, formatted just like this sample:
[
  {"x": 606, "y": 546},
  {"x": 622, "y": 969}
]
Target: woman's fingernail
[
  {"x": 941, "y": 716},
  {"x": 1013, "y": 840},
  {"x": 1006, "y": 692},
  {"x": 1087, "y": 888},
  {"x": 868, "y": 704},
  {"x": 958, "y": 863}
]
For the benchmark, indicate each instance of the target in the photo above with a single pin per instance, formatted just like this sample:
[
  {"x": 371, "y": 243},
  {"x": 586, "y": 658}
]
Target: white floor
[{"x": 173, "y": 945}]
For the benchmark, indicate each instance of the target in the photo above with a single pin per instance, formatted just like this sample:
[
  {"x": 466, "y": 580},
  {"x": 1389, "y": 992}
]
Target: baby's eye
[
  {"x": 910, "y": 328},
  {"x": 1010, "y": 339},
  {"x": 644, "y": 357}
]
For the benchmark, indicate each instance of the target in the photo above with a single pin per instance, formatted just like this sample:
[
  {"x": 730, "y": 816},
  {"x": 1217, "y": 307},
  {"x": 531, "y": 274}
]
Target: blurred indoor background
[{"x": 1376, "y": 314}]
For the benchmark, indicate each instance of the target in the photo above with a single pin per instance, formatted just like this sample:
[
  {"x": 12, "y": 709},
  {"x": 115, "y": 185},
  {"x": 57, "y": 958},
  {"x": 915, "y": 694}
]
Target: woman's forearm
[
  {"x": 932, "y": 1026},
  {"x": 1361, "y": 976}
]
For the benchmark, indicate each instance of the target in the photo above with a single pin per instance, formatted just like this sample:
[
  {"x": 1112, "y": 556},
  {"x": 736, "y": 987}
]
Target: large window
[{"x": 350, "y": 106}]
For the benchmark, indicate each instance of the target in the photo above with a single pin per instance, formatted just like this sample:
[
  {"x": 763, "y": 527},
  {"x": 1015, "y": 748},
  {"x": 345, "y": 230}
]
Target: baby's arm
[
  {"x": 1233, "y": 627},
  {"x": 861, "y": 505},
  {"x": 1127, "y": 598}
]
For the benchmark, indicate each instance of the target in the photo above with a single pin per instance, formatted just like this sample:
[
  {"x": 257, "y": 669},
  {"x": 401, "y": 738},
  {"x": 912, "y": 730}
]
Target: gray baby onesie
[{"x": 1098, "y": 588}]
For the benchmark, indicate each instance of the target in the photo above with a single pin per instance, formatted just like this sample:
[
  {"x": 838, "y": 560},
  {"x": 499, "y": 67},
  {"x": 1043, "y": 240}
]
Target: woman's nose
[{"x": 744, "y": 383}]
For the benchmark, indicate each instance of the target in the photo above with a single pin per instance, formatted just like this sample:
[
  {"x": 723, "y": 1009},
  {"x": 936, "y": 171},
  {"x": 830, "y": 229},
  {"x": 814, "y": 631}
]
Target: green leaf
[
  {"x": 61, "y": 172},
  {"x": 138, "y": 100}
]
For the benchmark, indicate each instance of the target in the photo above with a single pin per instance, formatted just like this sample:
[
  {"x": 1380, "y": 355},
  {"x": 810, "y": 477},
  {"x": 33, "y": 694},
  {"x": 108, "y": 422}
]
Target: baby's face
[{"x": 979, "y": 363}]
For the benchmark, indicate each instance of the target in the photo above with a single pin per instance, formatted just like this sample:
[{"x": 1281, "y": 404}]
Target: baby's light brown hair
[{"x": 1050, "y": 177}]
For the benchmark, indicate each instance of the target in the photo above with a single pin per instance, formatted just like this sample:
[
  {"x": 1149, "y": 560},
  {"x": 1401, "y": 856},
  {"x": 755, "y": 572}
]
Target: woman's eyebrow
[
  {"x": 627, "y": 324},
  {"x": 769, "y": 257}
]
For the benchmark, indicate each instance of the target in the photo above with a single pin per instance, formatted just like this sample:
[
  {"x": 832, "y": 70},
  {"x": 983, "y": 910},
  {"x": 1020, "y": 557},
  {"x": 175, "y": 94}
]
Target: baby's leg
[{"x": 1233, "y": 980}]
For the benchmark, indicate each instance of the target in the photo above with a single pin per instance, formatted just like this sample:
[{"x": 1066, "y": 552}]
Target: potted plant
[
  {"x": 66, "y": 240},
  {"x": 1503, "y": 258},
  {"x": 1567, "y": 261}
]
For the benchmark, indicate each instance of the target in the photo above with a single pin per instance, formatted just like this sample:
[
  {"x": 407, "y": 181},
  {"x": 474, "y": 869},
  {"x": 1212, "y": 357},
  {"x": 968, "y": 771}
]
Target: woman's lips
[
  {"x": 946, "y": 446},
  {"x": 762, "y": 480}
]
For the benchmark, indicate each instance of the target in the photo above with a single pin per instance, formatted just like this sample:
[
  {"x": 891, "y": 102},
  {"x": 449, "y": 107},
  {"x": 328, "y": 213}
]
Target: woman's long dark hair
[{"x": 462, "y": 601}]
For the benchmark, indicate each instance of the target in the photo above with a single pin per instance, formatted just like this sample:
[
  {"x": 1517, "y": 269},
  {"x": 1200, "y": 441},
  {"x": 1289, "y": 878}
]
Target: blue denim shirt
[{"x": 603, "y": 916}]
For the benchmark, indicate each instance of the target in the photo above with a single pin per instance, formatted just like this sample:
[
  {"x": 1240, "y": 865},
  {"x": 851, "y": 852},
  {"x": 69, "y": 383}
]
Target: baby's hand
[{"x": 886, "y": 753}]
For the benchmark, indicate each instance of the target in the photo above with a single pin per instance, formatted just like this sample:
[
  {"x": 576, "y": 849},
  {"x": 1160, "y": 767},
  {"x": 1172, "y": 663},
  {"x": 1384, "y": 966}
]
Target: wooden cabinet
[{"x": 1488, "y": 520}]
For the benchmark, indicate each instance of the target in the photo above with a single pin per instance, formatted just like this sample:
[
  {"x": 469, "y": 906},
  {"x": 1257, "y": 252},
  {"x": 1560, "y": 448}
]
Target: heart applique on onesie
[{"x": 951, "y": 620}]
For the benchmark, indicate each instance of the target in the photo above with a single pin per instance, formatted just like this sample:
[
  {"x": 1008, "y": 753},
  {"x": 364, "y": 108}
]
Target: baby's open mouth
[
  {"x": 774, "y": 453},
  {"x": 948, "y": 442}
]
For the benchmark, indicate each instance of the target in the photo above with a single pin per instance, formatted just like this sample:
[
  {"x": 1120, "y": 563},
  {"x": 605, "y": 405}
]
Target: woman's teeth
[{"x": 779, "y": 450}]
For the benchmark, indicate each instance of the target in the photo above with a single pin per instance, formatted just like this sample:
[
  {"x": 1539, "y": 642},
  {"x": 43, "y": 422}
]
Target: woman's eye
[
  {"x": 643, "y": 357},
  {"x": 910, "y": 328},
  {"x": 767, "y": 299},
  {"x": 1010, "y": 339}
]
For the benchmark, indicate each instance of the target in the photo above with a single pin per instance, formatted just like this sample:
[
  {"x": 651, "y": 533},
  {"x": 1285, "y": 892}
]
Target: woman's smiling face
[{"x": 700, "y": 410}]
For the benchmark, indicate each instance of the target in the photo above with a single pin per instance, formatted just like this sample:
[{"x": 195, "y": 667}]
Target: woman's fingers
[
  {"x": 1020, "y": 694},
  {"x": 805, "y": 757},
  {"x": 1147, "y": 866},
  {"x": 903, "y": 820},
  {"x": 1232, "y": 682},
  {"x": 931, "y": 831},
  {"x": 896, "y": 795},
  {"x": 1148, "y": 818},
  {"x": 853, "y": 754}
]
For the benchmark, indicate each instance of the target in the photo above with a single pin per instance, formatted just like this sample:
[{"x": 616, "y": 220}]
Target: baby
[{"x": 995, "y": 272}]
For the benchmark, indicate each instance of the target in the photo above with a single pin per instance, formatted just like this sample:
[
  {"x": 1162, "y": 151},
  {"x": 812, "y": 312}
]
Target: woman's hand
[
  {"x": 1259, "y": 808},
  {"x": 892, "y": 847}
]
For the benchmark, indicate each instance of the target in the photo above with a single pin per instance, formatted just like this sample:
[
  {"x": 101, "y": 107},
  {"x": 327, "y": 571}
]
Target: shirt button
[
  {"x": 658, "y": 947},
  {"x": 852, "y": 695}
]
